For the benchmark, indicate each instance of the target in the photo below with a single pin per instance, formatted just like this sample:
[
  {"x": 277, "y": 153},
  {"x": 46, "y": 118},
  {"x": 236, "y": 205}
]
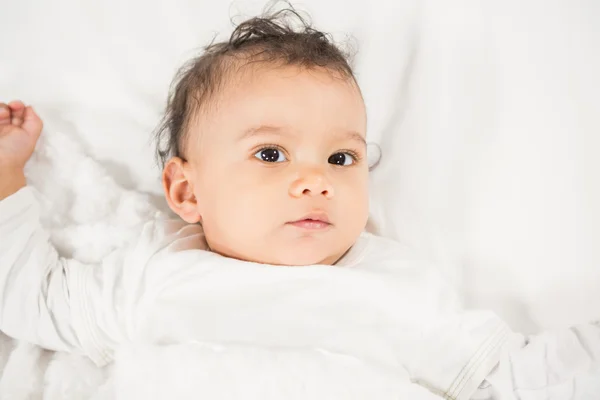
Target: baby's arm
[
  {"x": 42, "y": 296},
  {"x": 34, "y": 282},
  {"x": 559, "y": 365}
]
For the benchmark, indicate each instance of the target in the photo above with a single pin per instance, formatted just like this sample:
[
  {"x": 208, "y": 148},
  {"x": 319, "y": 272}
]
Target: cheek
[
  {"x": 238, "y": 199},
  {"x": 354, "y": 194}
]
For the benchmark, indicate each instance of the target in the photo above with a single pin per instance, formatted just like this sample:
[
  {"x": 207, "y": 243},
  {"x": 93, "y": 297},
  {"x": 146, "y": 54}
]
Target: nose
[{"x": 311, "y": 182}]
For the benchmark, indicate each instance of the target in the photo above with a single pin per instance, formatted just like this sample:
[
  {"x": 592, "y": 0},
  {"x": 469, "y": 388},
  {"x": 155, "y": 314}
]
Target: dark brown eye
[
  {"x": 270, "y": 155},
  {"x": 341, "y": 159}
]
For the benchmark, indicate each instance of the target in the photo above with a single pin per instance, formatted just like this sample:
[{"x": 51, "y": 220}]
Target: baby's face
[{"x": 278, "y": 167}]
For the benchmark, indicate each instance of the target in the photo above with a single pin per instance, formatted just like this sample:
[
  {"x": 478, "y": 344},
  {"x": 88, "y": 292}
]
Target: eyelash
[
  {"x": 354, "y": 154},
  {"x": 269, "y": 146}
]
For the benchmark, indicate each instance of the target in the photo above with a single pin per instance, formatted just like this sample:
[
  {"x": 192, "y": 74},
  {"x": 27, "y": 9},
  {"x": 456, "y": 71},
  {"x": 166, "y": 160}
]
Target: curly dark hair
[{"x": 270, "y": 38}]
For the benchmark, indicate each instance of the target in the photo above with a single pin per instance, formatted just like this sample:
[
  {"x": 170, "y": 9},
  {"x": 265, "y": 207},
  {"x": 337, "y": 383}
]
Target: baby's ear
[{"x": 179, "y": 192}]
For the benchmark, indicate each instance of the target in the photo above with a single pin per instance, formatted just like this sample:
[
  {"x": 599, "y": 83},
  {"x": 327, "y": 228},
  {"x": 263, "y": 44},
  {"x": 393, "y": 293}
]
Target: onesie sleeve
[
  {"x": 65, "y": 305},
  {"x": 39, "y": 290},
  {"x": 562, "y": 364}
]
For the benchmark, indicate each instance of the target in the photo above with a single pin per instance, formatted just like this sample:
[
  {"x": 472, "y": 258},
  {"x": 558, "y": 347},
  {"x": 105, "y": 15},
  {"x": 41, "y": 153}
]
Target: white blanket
[{"x": 88, "y": 215}]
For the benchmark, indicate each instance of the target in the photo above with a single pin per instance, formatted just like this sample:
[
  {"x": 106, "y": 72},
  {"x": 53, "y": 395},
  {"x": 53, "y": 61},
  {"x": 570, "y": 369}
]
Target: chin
[
  {"x": 307, "y": 257},
  {"x": 301, "y": 263}
]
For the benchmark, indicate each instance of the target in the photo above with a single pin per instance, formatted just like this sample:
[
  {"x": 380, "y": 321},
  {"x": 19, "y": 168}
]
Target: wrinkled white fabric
[{"x": 562, "y": 364}]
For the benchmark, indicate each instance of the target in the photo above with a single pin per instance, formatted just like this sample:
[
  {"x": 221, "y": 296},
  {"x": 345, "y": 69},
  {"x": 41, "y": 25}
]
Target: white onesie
[{"x": 379, "y": 303}]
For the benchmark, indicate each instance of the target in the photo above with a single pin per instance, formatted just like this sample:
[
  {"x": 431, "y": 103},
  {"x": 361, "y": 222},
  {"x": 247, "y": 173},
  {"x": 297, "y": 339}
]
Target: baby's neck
[{"x": 331, "y": 260}]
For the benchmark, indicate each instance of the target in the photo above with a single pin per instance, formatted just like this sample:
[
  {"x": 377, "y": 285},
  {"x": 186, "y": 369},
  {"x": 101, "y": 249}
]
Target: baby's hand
[{"x": 20, "y": 128}]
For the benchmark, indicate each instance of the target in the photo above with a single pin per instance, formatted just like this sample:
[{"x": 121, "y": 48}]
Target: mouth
[{"x": 313, "y": 221}]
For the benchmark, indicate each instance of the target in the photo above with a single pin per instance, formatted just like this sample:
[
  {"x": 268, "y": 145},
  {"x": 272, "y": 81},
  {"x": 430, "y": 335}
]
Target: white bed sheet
[{"x": 487, "y": 114}]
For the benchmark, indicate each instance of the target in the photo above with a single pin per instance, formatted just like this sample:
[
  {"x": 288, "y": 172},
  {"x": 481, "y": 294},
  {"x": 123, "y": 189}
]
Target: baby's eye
[
  {"x": 341, "y": 159},
  {"x": 270, "y": 155}
]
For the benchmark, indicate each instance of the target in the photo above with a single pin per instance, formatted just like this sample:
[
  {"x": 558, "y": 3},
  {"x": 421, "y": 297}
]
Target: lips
[{"x": 312, "y": 221}]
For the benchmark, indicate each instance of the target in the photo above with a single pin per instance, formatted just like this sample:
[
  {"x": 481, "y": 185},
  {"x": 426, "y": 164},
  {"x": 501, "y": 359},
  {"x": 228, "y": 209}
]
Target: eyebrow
[
  {"x": 275, "y": 130},
  {"x": 261, "y": 130},
  {"x": 355, "y": 136}
]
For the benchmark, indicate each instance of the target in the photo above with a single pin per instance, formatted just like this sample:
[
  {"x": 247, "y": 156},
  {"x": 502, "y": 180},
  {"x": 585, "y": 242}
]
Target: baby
[
  {"x": 265, "y": 161},
  {"x": 263, "y": 143}
]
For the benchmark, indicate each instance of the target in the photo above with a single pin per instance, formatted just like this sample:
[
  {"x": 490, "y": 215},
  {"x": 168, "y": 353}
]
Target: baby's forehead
[
  {"x": 284, "y": 99},
  {"x": 274, "y": 90},
  {"x": 256, "y": 76}
]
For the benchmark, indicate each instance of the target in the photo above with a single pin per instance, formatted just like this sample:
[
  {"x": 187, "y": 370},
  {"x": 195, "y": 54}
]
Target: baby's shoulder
[
  {"x": 175, "y": 234},
  {"x": 370, "y": 248},
  {"x": 407, "y": 270}
]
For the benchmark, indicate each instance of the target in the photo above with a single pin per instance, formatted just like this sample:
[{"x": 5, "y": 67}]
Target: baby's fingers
[
  {"x": 4, "y": 114},
  {"x": 32, "y": 123},
  {"x": 17, "y": 109}
]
